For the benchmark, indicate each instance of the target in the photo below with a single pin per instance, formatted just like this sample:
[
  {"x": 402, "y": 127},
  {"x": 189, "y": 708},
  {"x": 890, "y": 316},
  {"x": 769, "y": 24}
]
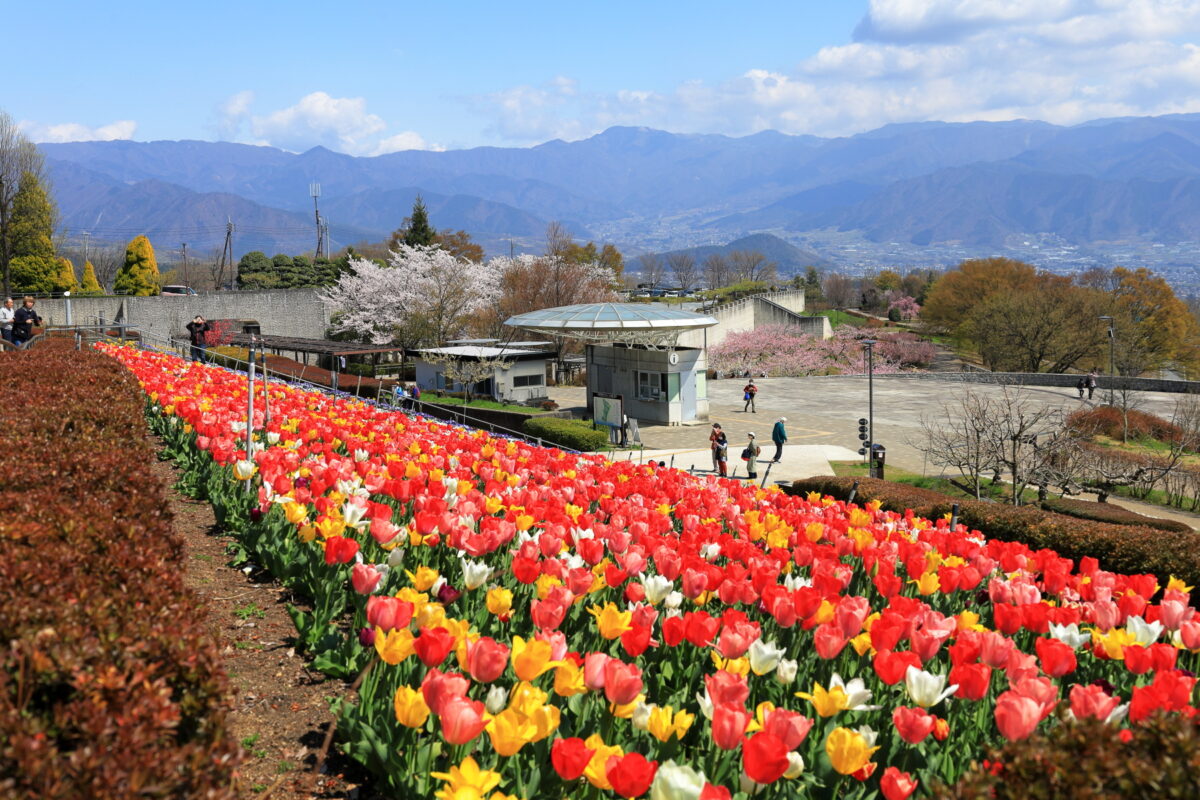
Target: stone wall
[
  {"x": 1044, "y": 379},
  {"x": 279, "y": 312},
  {"x": 755, "y": 311}
]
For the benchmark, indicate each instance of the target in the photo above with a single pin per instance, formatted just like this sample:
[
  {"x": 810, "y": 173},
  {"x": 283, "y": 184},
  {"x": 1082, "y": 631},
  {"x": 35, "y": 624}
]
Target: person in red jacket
[{"x": 748, "y": 393}]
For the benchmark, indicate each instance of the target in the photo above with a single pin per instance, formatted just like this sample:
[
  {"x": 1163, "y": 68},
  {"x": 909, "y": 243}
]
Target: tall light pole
[
  {"x": 1112, "y": 359},
  {"x": 869, "y": 346}
]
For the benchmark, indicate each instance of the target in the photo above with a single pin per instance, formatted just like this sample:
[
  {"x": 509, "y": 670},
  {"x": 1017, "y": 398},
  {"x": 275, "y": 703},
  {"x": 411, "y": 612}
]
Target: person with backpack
[
  {"x": 748, "y": 393},
  {"x": 750, "y": 456},
  {"x": 713, "y": 435}
]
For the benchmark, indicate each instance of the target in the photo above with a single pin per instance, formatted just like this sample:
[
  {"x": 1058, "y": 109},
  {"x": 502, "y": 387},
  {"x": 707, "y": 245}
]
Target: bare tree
[
  {"x": 959, "y": 437},
  {"x": 751, "y": 265},
  {"x": 1107, "y": 469},
  {"x": 1025, "y": 436},
  {"x": 717, "y": 272},
  {"x": 652, "y": 268},
  {"x": 683, "y": 267},
  {"x": 839, "y": 290},
  {"x": 18, "y": 156},
  {"x": 466, "y": 370}
]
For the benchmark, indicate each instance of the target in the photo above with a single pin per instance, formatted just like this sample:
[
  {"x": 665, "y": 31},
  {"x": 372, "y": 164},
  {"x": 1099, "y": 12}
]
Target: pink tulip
[
  {"x": 1091, "y": 701},
  {"x": 365, "y": 578},
  {"x": 622, "y": 682},
  {"x": 1017, "y": 716},
  {"x": 593, "y": 670},
  {"x": 462, "y": 719}
]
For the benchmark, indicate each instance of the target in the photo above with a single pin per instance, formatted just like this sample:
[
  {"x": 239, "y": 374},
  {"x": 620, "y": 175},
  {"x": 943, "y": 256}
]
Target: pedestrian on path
[
  {"x": 24, "y": 318},
  {"x": 748, "y": 393},
  {"x": 779, "y": 437},
  {"x": 1091, "y": 383},
  {"x": 1081, "y": 386},
  {"x": 7, "y": 313},
  {"x": 723, "y": 455},
  {"x": 713, "y": 436},
  {"x": 197, "y": 329},
  {"x": 750, "y": 456}
]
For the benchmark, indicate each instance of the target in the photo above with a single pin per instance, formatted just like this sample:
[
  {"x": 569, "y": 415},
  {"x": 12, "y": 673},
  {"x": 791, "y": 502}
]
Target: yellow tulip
[
  {"x": 928, "y": 583},
  {"x": 1178, "y": 585},
  {"x": 509, "y": 732},
  {"x": 597, "y": 769},
  {"x": 411, "y": 710},
  {"x": 826, "y": 703},
  {"x": 466, "y": 780},
  {"x": 545, "y": 720},
  {"x": 423, "y": 579},
  {"x": 296, "y": 513},
  {"x": 499, "y": 601},
  {"x": 393, "y": 646},
  {"x": 544, "y": 584},
  {"x": 611, "y": 621},
  {"x": 531, "y": 658},
  {"x": 848, "y": 750},
  {"x": 861, "y": 643},
  {"x": 307, "y": 534},
  {"x": 568, "y": 680},
  {"x": 330, "y": 526},
  {"x": 526, "y": 698},
  {"x": 1114, "y": 642},
  {"x": 661, "y": 723},
  {"x": 626, "y": 711}
]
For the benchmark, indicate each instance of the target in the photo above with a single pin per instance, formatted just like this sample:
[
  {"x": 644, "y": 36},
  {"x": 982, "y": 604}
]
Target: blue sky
[{"x": 372, "y": 77}]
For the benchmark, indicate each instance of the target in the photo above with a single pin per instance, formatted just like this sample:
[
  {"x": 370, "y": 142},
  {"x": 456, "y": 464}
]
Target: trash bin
[{"x": 878, "y": 457}]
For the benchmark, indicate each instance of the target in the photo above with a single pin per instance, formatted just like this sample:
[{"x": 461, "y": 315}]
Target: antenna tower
[{"x": 314, "y": 191}]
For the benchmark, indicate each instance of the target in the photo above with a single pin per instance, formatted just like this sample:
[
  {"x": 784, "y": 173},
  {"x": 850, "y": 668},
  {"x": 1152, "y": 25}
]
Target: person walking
[
  {"x": 713, "y": 436},
  {"x": 1091, "y": 383},
  {"x": 23, "y": 321},
  {"x": 750, "y": 456},
  {"x": 197, "y": 329},
  {"x": 779, "y": 437},
  {"x": 1081, "y": 386},
  {"x": 748, "y": 393},
  {"x": 6, "y": 319},
  {"x": 722, "y": 455}
]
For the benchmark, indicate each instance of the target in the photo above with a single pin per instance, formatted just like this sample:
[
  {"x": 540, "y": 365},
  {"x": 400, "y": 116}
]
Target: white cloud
[
  {"x": 233, "y": 114},
  {"x": 1064, "y": 61},
  {"x": 75, "y": 132}
]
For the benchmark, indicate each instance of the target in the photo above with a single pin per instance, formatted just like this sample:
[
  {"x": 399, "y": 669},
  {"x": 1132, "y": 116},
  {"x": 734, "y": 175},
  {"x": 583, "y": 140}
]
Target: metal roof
[
  {"x": 633, "y": 323},
  {"x": 478, "y": 351}
]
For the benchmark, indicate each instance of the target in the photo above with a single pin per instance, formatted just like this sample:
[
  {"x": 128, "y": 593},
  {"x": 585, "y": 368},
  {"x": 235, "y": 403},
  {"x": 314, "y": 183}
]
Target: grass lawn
[
  {"x": 997, "y": 491},
  {"x": 839, "y": 318},
  {"x": 478, "y": 403}
]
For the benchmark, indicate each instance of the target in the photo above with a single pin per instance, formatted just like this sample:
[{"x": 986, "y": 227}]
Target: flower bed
[
  {"x": 111, "y": 684},
  {"x": 1120, "y": 547},
  {"x": 526, "y": 622}
]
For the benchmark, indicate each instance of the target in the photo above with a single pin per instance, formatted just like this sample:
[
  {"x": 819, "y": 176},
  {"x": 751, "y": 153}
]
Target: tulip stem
[{"x": 333, "y": 726}]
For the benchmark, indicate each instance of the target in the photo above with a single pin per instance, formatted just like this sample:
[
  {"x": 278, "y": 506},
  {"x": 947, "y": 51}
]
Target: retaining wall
[
  {"x": 755, "y": 311},
  {"x": 279, "y": 312},
  {"x": 1045, "y": 379}
]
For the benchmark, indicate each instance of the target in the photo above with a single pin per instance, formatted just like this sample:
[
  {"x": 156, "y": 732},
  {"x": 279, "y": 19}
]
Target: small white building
[{"x": 521, "y": 376}]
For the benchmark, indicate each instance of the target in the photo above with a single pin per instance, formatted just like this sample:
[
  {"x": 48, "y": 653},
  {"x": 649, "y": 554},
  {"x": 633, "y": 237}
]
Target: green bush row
[
  {"x": 574, "y": 434},
  {"x": 1120, "y": 548},
  {"x": 1107, "y": 512}
]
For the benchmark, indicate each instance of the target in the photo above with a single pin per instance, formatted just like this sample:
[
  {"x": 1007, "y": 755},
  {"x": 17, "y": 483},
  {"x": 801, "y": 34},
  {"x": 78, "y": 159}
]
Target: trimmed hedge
[
  {"x": 574, "y": 434},
  {"x": 110, "y": 685},
  {"x": 1120, "y": 548},
  {"x": 1107, "y": 512},
  {"x": 1159, "y": 758}
]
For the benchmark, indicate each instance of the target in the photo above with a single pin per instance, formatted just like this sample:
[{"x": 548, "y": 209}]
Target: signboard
[{"x": 608, "y": 409}]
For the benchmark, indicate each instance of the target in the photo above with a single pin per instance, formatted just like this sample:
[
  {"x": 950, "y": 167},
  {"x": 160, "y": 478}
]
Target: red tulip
[
  {"x": 828, "y": 640},
  {"x": 635, "y": 640},
  {"x": 725, "y": 688},
  {"x": 714, "y": 792},
  {"x": 913, "y": 724},
  {"x": 890, "y": 667},
  {"x": 486, "y": 659},
  {"x": 433, "y": 645},
  {"x": 790, "y": 726},
  {"x": 365, "y": 578},
  {"x": 1017, "y": 716},
  {"x": 897, "y": 785},
  {"x": 389, "y": 613},
  {"x": 462, "y": 719},
  {"x": 570, "y": 757},
  {"x": 1058, "y": 658},
  {"x": 973, "y": 680},
  {"x": 1091, "y": 701},
  {"x": 672, "y": 631},
  {"x": 630, "y": 774},
  {"x": 340, "y": 550},
  {"x": 438, "y": 687},
  {"x": 622, "y": 682},
  {"x": 729, "y": 723},
  {"x": 764, "y": 757}
]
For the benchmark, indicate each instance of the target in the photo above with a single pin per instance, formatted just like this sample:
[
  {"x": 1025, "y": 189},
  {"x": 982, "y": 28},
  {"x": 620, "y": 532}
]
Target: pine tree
[
  {"x": 419, "y": 233},
  {"x": 89, "y": 285},
  {"x": 139, "y": 274},
  {"x": 64, "y": 280},
  {"x": 31, "y": 242}
]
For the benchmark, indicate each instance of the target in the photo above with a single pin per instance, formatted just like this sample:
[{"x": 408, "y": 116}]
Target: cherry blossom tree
[
  {"x": 779, "y": 351},
  {"x": 423, "y": 294}
]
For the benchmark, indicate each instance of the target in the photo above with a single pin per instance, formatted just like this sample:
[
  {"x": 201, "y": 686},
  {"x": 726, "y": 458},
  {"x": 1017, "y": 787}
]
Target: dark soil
[{"x": 281, "y": 713}]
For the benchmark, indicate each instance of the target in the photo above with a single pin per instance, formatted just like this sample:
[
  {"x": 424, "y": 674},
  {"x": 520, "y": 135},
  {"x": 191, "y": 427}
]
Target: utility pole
[
  {"x": 226, "y": 255},
  {"x": 323, "y": 238},
  {"x": 314, "y": 191},
  {"x": 86, "y": 239},
  {"x": 186, "y": 282}
]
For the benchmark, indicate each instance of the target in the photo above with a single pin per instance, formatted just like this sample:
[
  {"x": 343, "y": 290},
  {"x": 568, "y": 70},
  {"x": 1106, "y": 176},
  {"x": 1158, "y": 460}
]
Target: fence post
[
  {"x": 765, "y": 475},
  {"x": 250, "y": 410},
  {"x": 266, "y": 392}
]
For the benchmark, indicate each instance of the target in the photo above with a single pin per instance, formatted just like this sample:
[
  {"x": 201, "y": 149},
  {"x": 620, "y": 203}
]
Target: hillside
[{"x": 787, "y": 257}]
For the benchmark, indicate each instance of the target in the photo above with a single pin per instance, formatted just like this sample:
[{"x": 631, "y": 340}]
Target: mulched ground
[{"x": 282, "y": 715}]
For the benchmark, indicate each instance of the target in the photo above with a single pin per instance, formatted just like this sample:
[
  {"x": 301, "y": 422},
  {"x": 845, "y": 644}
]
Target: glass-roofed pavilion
[{"x": 632, "y": 354}]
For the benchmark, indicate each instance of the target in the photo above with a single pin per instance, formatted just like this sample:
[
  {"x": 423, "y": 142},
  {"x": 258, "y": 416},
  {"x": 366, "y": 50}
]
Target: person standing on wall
[
  {"x": 6, "y": 319},
  {"x": 748, "y": 393},
  {"x": 779, "y": 437},
  {"x": 23, "y": 321},
  {"x": 197, "y": 329},
  {"x": 750, "y": 456}
]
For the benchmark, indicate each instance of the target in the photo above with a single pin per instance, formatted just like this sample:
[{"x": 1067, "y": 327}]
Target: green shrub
[
  {"x": 1126, "y": 549},
  {"x": 1107, "y": 512},
  {"x": 1088, "y": 759},
  {"x": 574, "y": 434}
]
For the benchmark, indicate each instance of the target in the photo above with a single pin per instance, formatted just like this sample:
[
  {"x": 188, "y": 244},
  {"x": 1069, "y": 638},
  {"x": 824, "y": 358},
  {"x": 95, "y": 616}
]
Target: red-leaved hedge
[
  {"x": 110, "y": 684},
  {"x": 1107, "y": 512},
  {"x": 1127, "y": 549}
]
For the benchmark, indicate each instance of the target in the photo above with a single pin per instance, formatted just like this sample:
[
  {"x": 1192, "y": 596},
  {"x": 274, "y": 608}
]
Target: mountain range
[{"x": 973, "y": 185}]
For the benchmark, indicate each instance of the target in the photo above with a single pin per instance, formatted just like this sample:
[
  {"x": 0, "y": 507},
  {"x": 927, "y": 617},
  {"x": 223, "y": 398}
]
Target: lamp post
[
  {"x": 869, "y": 346},
  {"x": 1112, "y": 359}
]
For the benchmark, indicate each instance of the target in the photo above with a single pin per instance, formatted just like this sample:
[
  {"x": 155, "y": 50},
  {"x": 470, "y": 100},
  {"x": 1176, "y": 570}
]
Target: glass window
[
  {"x": 528, "y": 380},
  {"x": 651, "y": 386}
]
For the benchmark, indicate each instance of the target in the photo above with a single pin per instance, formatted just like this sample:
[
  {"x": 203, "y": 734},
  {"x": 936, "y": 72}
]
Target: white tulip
[
  {"x": 674, "y": 600},
  {"x": 785, "y": 673},
  {"x": 1069, "y": 634},
  {"x": 475, "y": 573},
  {"x": 657, "y": 588},
  {"x": 764, "y": 656},
  {"x": 497, "y": 699},
  {"x": 925, "y": 688},
  {"x": 1146, "y": 633},
  {"x": 795, "y": 765},
  {"x": 641, "y": 716},
  {"x": 676, "y": 782}
]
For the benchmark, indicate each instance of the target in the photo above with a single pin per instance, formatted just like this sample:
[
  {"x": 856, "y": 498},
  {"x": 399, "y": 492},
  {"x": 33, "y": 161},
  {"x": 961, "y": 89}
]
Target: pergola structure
[
  {"x": 321, "y": 347},
  {"x": 649, "y": 325}
]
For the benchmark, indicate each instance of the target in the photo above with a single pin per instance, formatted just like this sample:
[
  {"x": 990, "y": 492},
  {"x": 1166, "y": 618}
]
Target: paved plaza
[{"x": 823, "y": 414}]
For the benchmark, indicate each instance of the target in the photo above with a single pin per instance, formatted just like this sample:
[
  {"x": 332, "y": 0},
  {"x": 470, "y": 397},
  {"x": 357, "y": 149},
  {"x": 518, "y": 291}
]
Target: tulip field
[{"x": 530, "y": 623}]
